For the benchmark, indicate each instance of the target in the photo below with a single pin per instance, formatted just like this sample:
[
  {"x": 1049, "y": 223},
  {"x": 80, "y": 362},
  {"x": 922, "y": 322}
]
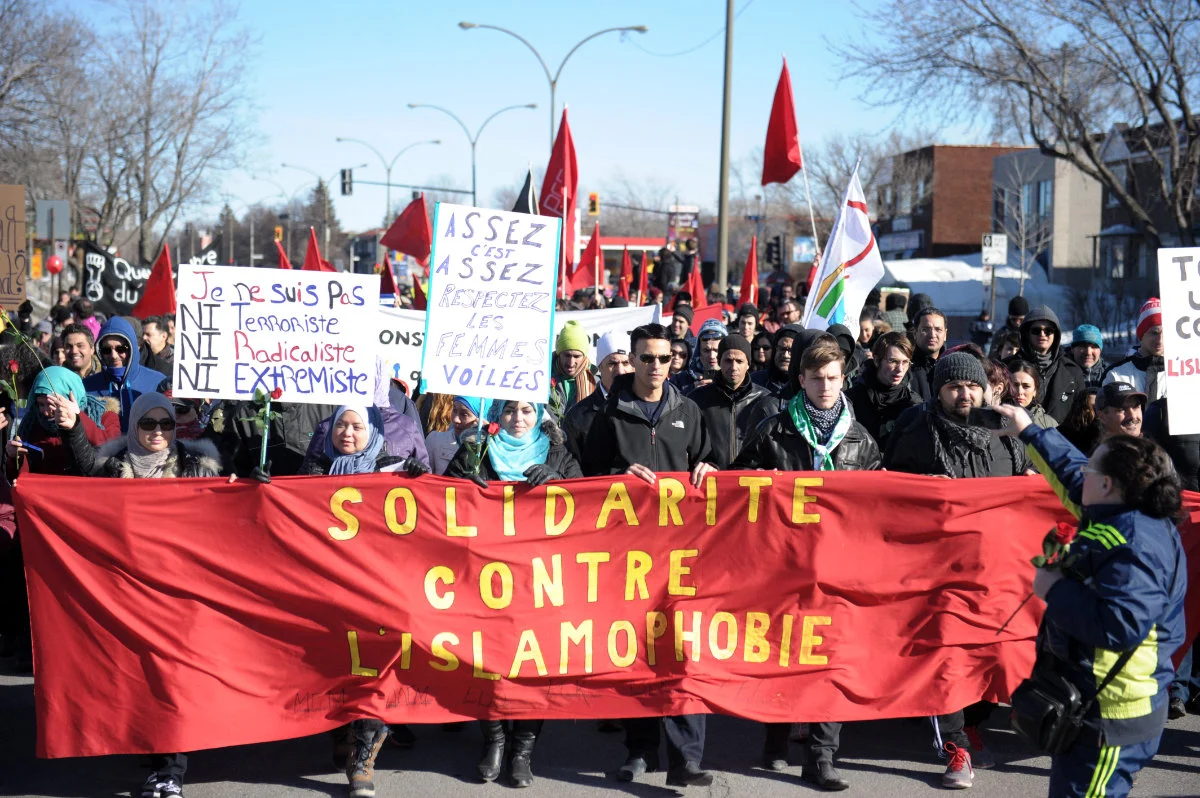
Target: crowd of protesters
[{"x": 750, "y": 389}]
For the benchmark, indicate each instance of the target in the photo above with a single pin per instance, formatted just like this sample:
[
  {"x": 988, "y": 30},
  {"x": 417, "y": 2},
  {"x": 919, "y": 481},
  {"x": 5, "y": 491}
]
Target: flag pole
[{"x": 811, "y": 217}]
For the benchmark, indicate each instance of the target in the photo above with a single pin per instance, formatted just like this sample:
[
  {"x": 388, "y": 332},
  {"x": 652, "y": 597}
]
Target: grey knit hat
[{"x": 958, "y": 366}]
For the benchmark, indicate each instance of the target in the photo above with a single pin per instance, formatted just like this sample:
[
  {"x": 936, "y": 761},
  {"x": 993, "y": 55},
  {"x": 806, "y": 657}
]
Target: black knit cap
[
  {"x": 1018, "y": 306},
  {"x": 748, "y": 309},
  {"x": 733, "y": 341},
  {"x": 958, "y": 366}
]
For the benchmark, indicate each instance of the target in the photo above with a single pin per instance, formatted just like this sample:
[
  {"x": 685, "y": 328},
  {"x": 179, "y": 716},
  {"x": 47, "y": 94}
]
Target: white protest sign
[
  {"x": 305, "y": 333},
  {"x": 402, "y": 334},
  {"x": 490, "y": 317},
  {"x": 1179, "y": 293}
]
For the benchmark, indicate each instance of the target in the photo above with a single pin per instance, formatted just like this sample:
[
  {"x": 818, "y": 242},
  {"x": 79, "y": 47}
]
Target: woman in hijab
[
  {"x": 58, "y": 389},
  {"x": 443, "y": 445},
  {"x": 529, "y": 448},
  {"x": 149, "y": 450}
]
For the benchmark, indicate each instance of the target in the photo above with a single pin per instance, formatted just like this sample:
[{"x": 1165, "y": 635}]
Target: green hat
[{"x": 572, "y": 338}]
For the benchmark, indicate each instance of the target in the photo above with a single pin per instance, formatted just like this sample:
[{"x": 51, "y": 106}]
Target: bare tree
[
  {"x": 1026, "y": 222},
  {"x": 1059, "y": 73},
  {"x": 635, "y": 207},
  {"x": 33, "y": 45}
]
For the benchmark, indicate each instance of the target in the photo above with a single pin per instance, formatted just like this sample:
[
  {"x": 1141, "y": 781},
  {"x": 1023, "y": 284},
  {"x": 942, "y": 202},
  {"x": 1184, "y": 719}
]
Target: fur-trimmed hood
[{"x": 191, "y": 458}]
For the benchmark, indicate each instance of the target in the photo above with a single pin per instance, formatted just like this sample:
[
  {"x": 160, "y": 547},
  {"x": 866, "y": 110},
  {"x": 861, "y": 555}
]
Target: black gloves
[
  {"x": 540, "y": 474},
  {"x": 479, "y": 480},
  {"x": 262, "y": 475},
  {"x": 415, "y": 468}
]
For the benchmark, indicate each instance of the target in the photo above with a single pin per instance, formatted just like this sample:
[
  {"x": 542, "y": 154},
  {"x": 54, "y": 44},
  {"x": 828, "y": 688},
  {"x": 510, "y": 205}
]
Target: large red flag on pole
[
  {"x": 411, "y": 233},
  {"x": 644, "y": 278},
  {"x": 158, "y": 295},
  {"x": 696, "y": 285},
  {"x": 626, "y": 275},
  {"x": 781, "y": 153},
  {"x": 559, "y": 190},
  {"x": 284, "y": 263},
  {"x": 387, "y": 280},
  {"x": 419, "y": 300},
  {"x": 750, "y": 275},
  {"x": 313, "y": 262},
  {"x": 587, "y": 271}
]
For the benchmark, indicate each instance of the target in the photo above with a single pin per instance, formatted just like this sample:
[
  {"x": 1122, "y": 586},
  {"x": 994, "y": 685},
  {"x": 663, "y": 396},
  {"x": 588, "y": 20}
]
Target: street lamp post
[
  {"x": 387, "y": 166},
  {"x": 473, "y": 139},
  {"x": 553, "y": 79}
]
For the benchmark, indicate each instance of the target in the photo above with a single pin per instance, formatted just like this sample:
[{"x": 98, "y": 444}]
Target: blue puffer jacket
[
  {"x": 1125, "y": 589},
  {"x": 136, "y": 380}
]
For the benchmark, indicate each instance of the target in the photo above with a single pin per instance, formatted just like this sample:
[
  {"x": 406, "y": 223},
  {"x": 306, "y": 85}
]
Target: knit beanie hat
[
  {"x": 712, "y": 329},
  {"x": 572, "y": 338},
  {"x": 1149, "y": 316},
  {"x": 1018, "y": 306},
  {"x": 1087, "y": 334},
  {"x": 685, "y": 311},
  {"x": 748, "y": 309},
  {"x": 733, "y": 341},
  {"x": 958, "y": 366}
]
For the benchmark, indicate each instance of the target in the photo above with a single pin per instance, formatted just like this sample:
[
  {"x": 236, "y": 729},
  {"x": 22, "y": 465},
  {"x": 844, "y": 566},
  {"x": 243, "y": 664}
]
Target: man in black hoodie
[
  {"x": 775, "y": 377},
  {"x": 929, "y": 342},
  {"x": 728, "y": 402},
  {"x": 1062, "y": 378},
  {"x": 648, "y": 426},
  {"x": 884, "y": 390}
]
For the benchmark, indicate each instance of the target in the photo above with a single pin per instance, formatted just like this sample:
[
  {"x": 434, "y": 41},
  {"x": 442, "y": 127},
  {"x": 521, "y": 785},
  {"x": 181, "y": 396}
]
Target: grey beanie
[{"x": 958, "y": 366}]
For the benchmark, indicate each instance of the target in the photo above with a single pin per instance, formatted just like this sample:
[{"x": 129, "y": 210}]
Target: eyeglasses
[
  {"x": 1041, "y": 330},
  {"x": 151, "y": 424},
  {"x": 648, "y": 359}
]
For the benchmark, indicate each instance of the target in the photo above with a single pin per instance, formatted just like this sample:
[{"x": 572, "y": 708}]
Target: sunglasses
[
  {"x": 151, "y": 424},
  {"x": 763, "y": 346},
  {"x": 648, "y": 359},
  {"x": 117, "y": 348},
  {"x": 1040, "y": 330}
]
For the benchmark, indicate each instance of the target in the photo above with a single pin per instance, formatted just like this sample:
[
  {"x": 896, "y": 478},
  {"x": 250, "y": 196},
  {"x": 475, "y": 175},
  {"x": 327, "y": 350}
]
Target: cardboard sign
[
  {"x": 1179, "y": 290},
  {"x": 402, "y": 334},
  {"x": 492, "y": 281},
  {"x": 14, "y": 260},
  {"x": 310, "y": 334}
]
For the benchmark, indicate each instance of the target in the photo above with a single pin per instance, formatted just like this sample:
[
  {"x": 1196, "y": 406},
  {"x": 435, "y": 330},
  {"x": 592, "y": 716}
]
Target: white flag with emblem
[{"x": 850, "y": 266}]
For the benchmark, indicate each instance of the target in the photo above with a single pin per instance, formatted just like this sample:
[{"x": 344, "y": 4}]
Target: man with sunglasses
[
  {"x": 1062, "y": 378},
  {"x": 647, "y": 427},
  {"x": 122, "y": 375}
]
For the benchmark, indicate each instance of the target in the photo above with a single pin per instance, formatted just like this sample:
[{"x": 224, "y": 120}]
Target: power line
[{"x": 710, "y": 39}]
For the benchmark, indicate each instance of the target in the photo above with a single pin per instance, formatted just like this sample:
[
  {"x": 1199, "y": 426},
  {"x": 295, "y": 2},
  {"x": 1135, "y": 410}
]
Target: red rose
[
  {"x": 493, "y": 428},
  {"x": 278, "y": 392},
  {"x": 1064, "y": 533},
  {"x": 553, "y": 383},
  {"x": 14, "y": 366}
]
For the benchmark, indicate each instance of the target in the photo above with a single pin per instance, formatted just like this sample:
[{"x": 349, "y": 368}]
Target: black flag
[{"x": 527, "y": 201}]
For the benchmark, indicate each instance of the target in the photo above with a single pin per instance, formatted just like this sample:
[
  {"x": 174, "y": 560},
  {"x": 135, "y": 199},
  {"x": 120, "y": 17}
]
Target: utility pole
[{"x": 723, "y": 196}]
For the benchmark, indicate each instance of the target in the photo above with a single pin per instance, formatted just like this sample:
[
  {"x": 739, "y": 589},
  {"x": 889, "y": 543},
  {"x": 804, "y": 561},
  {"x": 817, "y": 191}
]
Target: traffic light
[
  {"x": 775, "y": 251},
  {"x": 593, "y": 204},
  {"x": 347, "y": 182},
  {"x": 278, "y": 233}
]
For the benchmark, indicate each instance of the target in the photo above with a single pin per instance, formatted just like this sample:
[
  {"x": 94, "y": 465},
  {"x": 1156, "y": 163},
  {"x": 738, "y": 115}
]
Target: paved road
[{"x": 885, "y": 758}]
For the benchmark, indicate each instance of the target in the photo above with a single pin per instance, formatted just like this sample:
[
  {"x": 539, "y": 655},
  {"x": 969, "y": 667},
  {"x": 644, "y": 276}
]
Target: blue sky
[{"x": 350, "y": 68}]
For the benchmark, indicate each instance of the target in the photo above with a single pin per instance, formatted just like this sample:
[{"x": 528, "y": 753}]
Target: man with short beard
[
  {"x": 80, "y": 347},
  {"x": 728, "y": 402},
  {"x": 1062, "y": 378},
  {"x": 775, "y": 377},
  {"x": 935, "y": 439},
  {"x": 704, "y": 365},
  {"x": 1087, "y": 345},
  {"x": 929, "y": 342},
  {"x": 1119, "y": 409},
  {"x": 884, "y": 389},
  {"x": 1144, "y": 368}
]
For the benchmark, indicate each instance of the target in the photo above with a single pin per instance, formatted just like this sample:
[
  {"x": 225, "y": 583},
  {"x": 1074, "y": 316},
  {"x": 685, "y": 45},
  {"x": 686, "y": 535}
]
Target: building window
[
  {"x": 1027, "y": 200},
  {"x": 1120, "y": 174},
  {"x": 887, "y": 199},
  {"x": 999, "y": 200},
  {"x": 1045, "y": 198},
  {"x": 1112, "y": 258}
]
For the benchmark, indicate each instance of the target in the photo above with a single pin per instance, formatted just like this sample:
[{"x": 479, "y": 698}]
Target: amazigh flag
[
  {"x": 850, "y": 267},
  {"x": 527, "y": 201}
]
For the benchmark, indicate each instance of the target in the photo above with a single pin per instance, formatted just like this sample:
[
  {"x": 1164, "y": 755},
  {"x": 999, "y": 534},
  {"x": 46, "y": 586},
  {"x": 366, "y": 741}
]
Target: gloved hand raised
[{"x": 415, "y": 468}]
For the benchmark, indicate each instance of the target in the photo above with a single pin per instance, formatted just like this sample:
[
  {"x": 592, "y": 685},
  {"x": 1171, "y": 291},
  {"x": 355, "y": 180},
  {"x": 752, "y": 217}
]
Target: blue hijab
[
  {"x": 359, "y": 462},
  {"x": 510, "y": 456}
]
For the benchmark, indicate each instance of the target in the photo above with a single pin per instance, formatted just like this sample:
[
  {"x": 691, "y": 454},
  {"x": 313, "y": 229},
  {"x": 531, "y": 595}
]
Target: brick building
[{"x": 935, "y": 201}]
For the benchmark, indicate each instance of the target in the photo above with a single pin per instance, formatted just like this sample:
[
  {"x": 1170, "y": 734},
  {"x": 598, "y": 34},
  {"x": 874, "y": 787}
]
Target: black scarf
[
  {"x": 958, "y": 450},
  {"x": 883, "y": 395}
]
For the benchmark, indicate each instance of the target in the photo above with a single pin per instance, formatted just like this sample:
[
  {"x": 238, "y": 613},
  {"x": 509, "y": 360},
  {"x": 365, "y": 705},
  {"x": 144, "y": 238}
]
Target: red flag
[
  {"x": 696, "y": 285},
  {"x": 781, "y": 154},
  {"x": 644, "y": 278},
  {"x": 284, "y": 263},
  {"x": 419, "y": 300},
  {"x": 411, "y": 233},
  {"x": 313, "y": 262},
  {"x": 750, "y": 274},
  {"x": 387, "y": 280},
  {"x": 626, "y": 276},
  {"x": 591, "y": 265},
  {"x": 158, "y": 295},
  {"x": 559, "y": 189}
]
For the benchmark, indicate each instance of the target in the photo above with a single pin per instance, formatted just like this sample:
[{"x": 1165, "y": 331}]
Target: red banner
[{"x": 176, "y": 615}]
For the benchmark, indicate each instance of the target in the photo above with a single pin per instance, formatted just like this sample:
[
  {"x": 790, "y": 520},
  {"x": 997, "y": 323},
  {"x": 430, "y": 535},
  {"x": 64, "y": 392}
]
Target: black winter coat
[
  {"x": 778, "y": 444},
  {"x": 194, "y": 458},
  {"x": 874, "y": 409},
  {"x": 730, "y": 416},
  {"x": 580, "y": 429},
  {"x": 558, "y": 458},
  {"x": 910, "y": 449},
  {"x": 921, "y": 373},
  {"x": 677, "y": 442},
  {"x": 1063, "y": 378}
]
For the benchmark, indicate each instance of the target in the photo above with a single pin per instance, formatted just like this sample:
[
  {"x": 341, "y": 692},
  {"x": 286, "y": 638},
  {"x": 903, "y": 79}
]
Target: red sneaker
[{"x": 959, "y": 773}]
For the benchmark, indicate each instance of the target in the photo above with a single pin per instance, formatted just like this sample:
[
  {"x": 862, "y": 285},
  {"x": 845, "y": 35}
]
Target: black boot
[
  {"x": 493, "y": 749},
  {"x": 522, "y": 757}
]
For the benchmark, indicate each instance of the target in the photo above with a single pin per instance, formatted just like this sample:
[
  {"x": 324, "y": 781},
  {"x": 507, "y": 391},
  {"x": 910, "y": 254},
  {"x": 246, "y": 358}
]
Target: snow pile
[{"x": 956, "y": 284}]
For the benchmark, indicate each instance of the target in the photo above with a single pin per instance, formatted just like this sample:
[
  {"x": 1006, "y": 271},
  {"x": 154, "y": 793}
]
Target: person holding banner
[
  {"x": 648, "y": 426},
  {"x": 46, "y": 425},
  {"x": 122, "y": 375},
  {"x": 149, "y": 450},
  {"x": 571, "y": 377},
  {"x": 442, "y": 445},
  {"x": 527, "y": 446},
  {"x": 817, "y": 432}
]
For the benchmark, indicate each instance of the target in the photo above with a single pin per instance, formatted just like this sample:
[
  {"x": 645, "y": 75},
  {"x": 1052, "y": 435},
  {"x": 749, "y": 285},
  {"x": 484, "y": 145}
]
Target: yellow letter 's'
[
  {"x": 437, "y": 647},
  {"x": 337, "y": 506}
]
